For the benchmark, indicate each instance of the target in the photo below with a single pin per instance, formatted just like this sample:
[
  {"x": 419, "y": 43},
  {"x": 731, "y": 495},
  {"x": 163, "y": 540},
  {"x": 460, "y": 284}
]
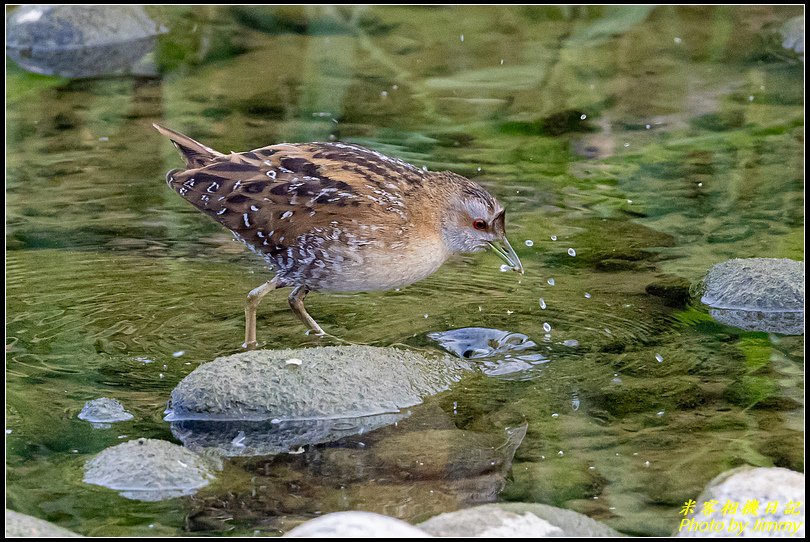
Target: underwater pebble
[
  {"x": 572, "y": 252},
  {"x": 555, "y": 415},
  {"x": 546, "y": 327},
  {"x": 542, "y": 303},
  {"x": 178, "y": 353},
  {"x": 571, "y": 342},
  {"x": 551, "y": 282},
  {"x": 659, "y": 358},
  {"x": 384, "y": 94},
  {"x": 583, "y": 117},
  {"x": 587, "y": 295},
  {"x": 660, "y": 413},
  {"x": 553, "y": 237},
  {"x": 504, "y": 268},
  {"x": 529, "y": 243},
  {"x": 677, "y": 40},
  {"x": 560, "y": 453}
]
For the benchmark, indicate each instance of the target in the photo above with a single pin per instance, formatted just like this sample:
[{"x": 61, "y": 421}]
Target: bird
[{"x": 337, "y": 217}]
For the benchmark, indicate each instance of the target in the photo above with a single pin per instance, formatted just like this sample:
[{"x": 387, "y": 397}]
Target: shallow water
[{"x": 654, "y": 142}]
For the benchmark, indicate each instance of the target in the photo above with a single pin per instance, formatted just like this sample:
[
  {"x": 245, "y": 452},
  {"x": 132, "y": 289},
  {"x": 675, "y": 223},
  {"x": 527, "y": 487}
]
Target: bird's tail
[{"x": 193, "y": 152}]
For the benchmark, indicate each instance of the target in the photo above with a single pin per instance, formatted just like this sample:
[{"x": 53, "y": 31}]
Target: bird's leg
[
  {"x": 296, "y": 300},
  {"x": 253, "y": 299}
]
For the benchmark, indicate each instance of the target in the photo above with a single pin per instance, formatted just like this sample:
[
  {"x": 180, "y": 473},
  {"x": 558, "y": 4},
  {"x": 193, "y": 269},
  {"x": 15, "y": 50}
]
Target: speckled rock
[
  {"x": 104, "y": 411},
  {"x": 329, "y": 383},
  {"x": 356, "y": 524},
  {"x": 515, "y": 520},
  {"x": 148, "y": 470},
  {"x": 79, "y": 41},
  {"x": 759, "y": 294},
  {"x": 21, "y": 525},
  {"x": 741, "y": 485}
]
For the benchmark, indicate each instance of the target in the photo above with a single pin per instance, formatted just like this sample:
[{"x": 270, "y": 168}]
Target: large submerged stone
[
  {"x": 356, "y": 524},
  {"x": 148, "y": 470},
  {"x": 276, "y": 401},
  {"x": 757, "y": 294},
  {"x": 497, "y": 352},
  {"x": 80, "y": 41}
]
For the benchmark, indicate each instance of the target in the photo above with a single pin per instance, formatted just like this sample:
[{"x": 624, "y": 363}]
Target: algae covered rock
[
  {"x": 80, "y": 41},
  {"x": 310, "y": 384},
  {"x": 757, "y": 294},
  {"x": 148, "y": 470}
]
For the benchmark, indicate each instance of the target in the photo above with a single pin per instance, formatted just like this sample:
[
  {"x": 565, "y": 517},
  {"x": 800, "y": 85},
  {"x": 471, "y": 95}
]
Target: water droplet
[
  {"x": 572, "y": 252},
  {"x": 550, "y": 282},
  {"x": 542, "y": 303},
  {"x": 659, "y": 358},
  {"x": 553, "y": 237},
  {"x": 528, "y": 243},
  {"x": 587, "y": 295},
  {"x": 555, "y": 415},
  {"x": 178, "y": 353},
  {"x": 546, "y": 327}
]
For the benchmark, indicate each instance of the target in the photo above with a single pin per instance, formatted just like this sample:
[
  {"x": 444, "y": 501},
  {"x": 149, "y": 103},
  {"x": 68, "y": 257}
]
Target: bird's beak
[{"x": 503, "y": 249}]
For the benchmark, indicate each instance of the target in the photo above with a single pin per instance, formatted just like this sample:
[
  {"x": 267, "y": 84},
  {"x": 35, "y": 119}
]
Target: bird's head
[{"x": 474, "y": 221}]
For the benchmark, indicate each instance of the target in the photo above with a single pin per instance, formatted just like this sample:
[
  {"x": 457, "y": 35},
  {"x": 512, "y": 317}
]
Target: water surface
[{"x": 654, "y": 142}]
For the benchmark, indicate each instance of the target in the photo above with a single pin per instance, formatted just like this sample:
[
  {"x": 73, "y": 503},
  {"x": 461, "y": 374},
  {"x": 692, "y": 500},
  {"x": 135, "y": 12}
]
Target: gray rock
[
  {"x": 786, "y": 323},
  {"x": 771, "y": 289},
  {"x": 21, "y": 525},
  {"x": 148, "y": 470},
  {"x": 356, "y": 524},
  {"x": 793, "y": 35},
  {"x": 103, "y": 411},
  {"x": 329, "y": 383},
  {"x": 266, "y": 437},
  {"x": 497, "y": 352},
  {"x": 741, "y": 485},
  {"x": 515, "y": 520},
  {"x": 79, "y": 41}
]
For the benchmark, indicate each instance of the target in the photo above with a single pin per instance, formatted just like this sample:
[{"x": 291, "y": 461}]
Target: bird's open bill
[{"x": 503, "y": 249}]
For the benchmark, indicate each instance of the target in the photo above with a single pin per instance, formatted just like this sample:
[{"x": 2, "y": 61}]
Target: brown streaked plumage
[{"x": 337, "y": 217}]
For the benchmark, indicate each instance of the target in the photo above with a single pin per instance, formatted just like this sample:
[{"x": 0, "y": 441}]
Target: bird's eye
[{"x": 479, "y": 224}]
